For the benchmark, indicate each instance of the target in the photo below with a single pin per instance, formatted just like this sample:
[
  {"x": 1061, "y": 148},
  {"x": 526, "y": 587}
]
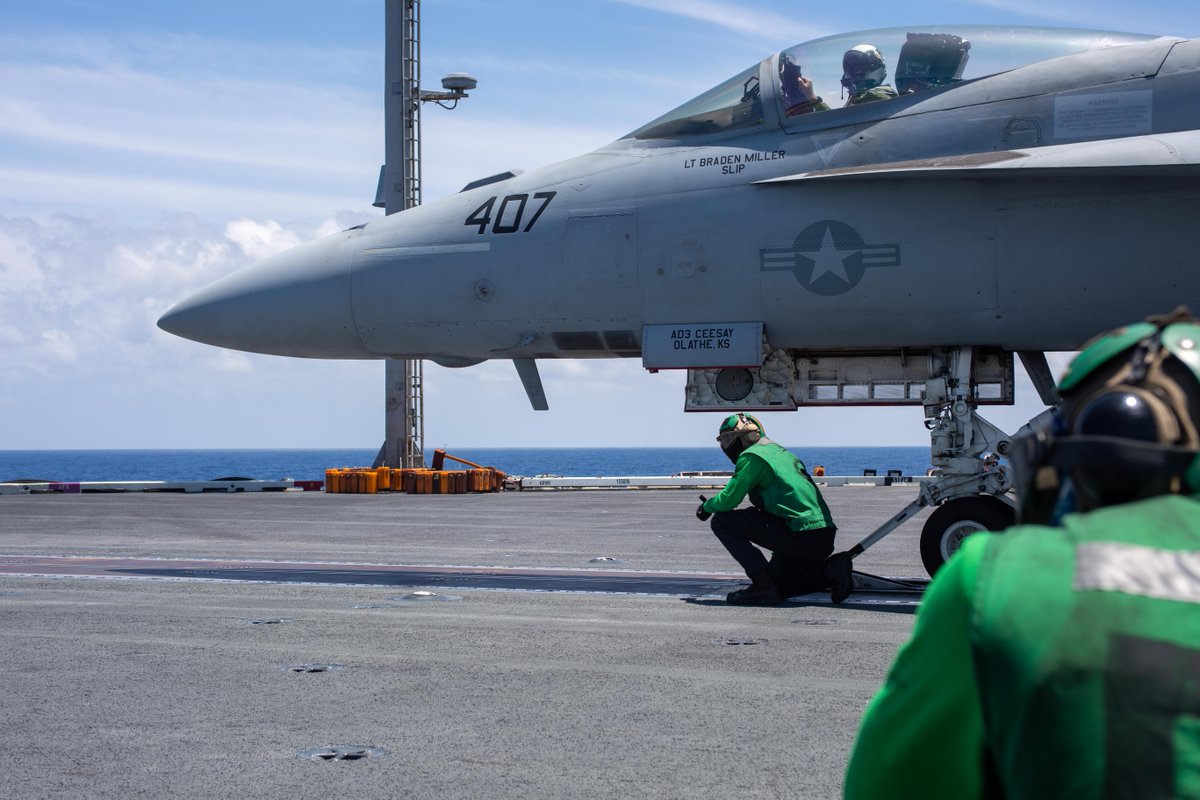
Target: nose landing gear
[
  {"x": 965, "y": 449},
  {"x": 955, "y": 520}
]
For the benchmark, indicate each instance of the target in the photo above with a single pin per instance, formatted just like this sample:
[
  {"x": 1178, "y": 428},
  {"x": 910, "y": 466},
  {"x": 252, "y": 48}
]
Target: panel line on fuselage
[{"x": 403, "y": 251}]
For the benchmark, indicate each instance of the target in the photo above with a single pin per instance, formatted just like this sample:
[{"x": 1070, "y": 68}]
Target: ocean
[{"x": 200, "y": 465}]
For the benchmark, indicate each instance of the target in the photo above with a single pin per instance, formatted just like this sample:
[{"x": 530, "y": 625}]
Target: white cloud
[
  {"x": 1091, "y": 15},
  {"x": 159, "y": 123},
  {"x": 53, "y": 189},
  {"x": 509, "y": 144},
  {"x": 597, "y": 76},
  {"x": 19, "y": 267},
  {"x": 88, "y": 292},
  {"x": 58, "y": 345},
  {"x": 261, "y": 239},
  {"x": 128, "y": 125},
  {"x": 749, "y": 20},
  {"x": 231, "y": 361}
]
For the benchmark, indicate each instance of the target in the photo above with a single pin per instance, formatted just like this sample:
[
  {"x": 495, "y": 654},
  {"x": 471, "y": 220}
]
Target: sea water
[{"x": 201, "y": 465}]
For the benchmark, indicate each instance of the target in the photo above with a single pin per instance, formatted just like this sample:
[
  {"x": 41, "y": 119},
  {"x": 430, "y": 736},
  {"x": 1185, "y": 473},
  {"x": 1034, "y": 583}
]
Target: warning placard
[{"x": 1111, "y": 114}]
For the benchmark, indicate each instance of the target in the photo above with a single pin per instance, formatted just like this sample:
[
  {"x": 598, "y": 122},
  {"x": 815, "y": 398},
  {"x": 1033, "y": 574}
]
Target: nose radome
[{"x": 294, "y": 303}]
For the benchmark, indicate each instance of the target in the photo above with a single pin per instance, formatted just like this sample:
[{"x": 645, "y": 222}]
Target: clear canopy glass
[{"x": 808, "y": 77}]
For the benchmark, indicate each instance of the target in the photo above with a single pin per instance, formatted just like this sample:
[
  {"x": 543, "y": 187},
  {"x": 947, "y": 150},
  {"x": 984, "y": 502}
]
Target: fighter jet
[{"x": 880, "y": 218}]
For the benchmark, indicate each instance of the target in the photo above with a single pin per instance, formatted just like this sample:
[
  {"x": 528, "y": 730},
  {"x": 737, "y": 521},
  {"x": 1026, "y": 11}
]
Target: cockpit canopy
[{"x": 810, "y": 77}]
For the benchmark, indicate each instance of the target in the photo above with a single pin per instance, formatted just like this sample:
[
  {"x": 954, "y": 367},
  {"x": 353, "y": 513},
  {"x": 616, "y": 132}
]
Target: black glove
[{"x": 701, "y": 514}]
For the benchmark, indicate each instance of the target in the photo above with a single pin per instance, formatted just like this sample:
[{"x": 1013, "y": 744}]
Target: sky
[{"x": 148, "y": 148}]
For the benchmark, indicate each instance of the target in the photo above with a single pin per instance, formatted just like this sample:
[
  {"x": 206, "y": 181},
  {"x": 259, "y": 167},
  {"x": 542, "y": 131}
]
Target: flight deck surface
[{"x": 178, "y": 676}]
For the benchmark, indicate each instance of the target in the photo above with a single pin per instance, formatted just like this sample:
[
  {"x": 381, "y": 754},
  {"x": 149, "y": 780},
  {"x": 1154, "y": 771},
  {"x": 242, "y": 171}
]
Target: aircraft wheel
[{"x": 954, "y": 521}]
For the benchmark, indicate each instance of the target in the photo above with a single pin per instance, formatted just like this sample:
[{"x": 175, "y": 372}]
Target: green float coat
[
  {"x": 778, "y": 484},
  {"x": 1050, "y": 662}
]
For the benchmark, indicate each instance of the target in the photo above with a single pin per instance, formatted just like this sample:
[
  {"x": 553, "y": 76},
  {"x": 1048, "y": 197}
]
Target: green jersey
[
  {"x": 1050, "y": 662},
  {"x": 777, "y": 483}
]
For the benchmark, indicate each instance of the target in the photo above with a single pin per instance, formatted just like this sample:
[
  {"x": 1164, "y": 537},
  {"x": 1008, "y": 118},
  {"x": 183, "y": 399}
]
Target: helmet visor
[{"x": 727, "y": 438}]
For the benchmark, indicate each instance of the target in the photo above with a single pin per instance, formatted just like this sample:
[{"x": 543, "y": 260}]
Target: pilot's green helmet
[{"x": 1129, "y": 425}]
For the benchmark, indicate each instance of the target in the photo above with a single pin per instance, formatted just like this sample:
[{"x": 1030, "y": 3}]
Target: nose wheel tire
[{"x": 954, "y": 521}]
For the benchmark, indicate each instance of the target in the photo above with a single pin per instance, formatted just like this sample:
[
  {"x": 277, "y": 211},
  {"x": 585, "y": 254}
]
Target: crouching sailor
[{"x": 788, "y": 517}]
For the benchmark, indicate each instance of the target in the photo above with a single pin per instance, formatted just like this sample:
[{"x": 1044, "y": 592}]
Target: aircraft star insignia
[
  {"x": 828, "y": 257},
  {"x": 828, "y": 260}
]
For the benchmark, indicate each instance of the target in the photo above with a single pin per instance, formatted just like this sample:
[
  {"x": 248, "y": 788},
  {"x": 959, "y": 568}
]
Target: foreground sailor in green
[
  {"x": 1061, "y": 658},
  {"x": 789, "y": 517}
]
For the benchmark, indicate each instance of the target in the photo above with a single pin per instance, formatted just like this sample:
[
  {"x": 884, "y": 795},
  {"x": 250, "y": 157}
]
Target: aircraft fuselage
[{"x": 1025, "y": 210}]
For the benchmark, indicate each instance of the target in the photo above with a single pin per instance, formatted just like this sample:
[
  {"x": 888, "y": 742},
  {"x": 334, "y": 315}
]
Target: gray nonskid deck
[{"x": 149, "y": 687}]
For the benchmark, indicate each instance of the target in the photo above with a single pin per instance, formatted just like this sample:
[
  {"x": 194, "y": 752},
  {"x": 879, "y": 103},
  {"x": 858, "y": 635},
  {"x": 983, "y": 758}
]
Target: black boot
[
  {"x": 840, "y": 570},
  {"x": 794, "y": 577},
  {"x": 762, "y": 591}
]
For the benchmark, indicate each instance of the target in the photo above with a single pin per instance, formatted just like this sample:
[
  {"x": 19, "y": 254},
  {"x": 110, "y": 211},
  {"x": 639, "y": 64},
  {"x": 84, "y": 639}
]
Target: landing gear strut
[{"x": 965, "y": 450}]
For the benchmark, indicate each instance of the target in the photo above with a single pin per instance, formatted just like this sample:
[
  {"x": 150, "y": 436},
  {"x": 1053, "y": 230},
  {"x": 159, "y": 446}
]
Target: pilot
[
  {"x": 863, "y": 74},
  {"x": 788, "y": 517},
  {"x": 1062, "y": 657},
  {"x": 799, "y": 97}
]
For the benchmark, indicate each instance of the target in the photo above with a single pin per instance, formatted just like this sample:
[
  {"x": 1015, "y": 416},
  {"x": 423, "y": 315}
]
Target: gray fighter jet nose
[{"x": 295, "y": 303}]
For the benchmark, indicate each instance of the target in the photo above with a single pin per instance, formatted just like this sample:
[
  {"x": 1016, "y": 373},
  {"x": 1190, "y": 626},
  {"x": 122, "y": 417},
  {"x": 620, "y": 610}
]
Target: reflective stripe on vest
[{"x": 1138, "y": 571}]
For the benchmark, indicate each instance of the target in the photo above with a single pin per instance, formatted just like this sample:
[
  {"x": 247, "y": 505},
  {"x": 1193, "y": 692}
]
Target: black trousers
[{"x": 797, "y": 562}]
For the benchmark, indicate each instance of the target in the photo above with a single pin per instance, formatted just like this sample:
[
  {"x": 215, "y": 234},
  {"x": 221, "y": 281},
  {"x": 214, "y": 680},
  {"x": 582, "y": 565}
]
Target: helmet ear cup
[
  {"x": 1128, "y": 413},
  {"x": 752, "y": 429}
]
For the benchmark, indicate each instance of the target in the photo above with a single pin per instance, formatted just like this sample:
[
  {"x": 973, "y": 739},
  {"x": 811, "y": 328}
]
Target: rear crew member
[
  {"x": 799, "y": 96},
  {"x": 789, "y": 517}
]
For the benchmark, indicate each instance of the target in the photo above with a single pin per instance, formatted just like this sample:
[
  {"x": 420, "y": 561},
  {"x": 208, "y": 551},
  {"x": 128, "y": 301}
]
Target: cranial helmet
[
  {"x": 1129, "y": 425},
  {"x": 863, "y": 68},
  {"x": 738, "y": 432}
]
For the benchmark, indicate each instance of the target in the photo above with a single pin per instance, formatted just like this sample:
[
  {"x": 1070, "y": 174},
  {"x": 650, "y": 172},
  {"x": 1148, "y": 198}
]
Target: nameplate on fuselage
[{"x": 702, "y": 344}]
